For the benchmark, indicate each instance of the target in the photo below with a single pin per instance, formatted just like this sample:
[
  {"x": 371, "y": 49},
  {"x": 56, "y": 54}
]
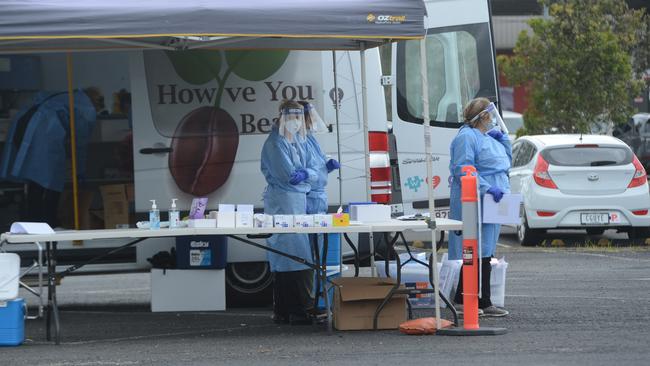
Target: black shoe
[{"x": 299, "y": 319}]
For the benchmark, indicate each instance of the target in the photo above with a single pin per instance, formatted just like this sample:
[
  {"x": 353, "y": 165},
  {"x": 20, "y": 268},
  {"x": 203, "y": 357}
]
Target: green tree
[{"x": 579, "y": 64}]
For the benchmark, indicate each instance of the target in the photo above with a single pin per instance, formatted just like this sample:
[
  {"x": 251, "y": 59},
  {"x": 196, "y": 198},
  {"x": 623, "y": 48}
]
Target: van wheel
[
  {"x": 528, "y": 237},
  {"x": 249, "y": 284}
]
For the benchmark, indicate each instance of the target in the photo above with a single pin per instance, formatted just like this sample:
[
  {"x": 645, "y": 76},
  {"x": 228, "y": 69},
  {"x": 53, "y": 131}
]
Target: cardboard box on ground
[
  {"x": 357, "y": 298},
  {"x": 113, "y": 209}
]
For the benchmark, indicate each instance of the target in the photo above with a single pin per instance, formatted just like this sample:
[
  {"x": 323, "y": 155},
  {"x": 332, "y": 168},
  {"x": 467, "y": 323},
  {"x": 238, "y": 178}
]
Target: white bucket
[{"x": 9, "y": 276}]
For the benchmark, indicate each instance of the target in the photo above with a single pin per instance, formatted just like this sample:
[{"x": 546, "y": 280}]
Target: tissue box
[
  {"x": 226, "y": 219},
  {"x": 303, "y": 221},
  {"x": 262, "y": 221},
  {"x": 283, "y": 220},
  {"x": 341, "y": 219},
  {"x": 323, "y": 220},
  {"x": 244, "y": 219}
]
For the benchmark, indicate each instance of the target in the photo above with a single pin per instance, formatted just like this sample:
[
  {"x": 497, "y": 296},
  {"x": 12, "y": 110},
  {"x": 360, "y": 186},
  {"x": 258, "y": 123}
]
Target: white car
[{"x": 590, "y": 182}]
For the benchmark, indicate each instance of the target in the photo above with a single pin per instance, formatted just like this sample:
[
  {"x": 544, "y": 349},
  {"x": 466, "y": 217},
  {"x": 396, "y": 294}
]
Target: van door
[{"x": 460, "y": 67}]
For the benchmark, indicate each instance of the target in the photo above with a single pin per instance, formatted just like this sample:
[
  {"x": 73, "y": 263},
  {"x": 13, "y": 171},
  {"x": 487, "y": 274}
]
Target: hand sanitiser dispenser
[
  {"x": 174, "y": 215},
  {"x": 154, "y": 216}
]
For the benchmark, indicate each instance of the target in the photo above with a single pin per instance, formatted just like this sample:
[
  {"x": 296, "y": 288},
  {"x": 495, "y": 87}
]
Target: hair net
[
  {"x": 292, "y": 123},
  {"x": 315, "y": 123}
]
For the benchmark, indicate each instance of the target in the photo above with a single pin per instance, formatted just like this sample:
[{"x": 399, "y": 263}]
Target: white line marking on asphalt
[
  {"x": 132, "y": 338},
  {"x": 613, "y": 257},
  {"x": 582, "y": 297},
  {"x": 504, "y": 245}
]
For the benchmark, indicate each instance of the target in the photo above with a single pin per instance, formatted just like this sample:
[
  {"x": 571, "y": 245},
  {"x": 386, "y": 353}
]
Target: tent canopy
[{"x": 64, "y": 25}]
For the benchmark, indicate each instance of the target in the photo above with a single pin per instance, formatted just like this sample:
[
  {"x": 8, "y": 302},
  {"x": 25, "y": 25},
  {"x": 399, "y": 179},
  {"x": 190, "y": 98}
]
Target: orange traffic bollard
[{"x": 470, "y": 215}]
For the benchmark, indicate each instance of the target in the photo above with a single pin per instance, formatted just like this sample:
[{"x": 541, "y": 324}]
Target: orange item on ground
[{"x": 423, "y": 326}]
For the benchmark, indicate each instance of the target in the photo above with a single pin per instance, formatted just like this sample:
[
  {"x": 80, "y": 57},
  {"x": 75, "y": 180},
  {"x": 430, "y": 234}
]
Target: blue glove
[
  {"x": 496, "y": 192},
  {"x": 496, "y": 134},
  {"x": 298, "y": 176},
  {"x": 332, "y": 165}
]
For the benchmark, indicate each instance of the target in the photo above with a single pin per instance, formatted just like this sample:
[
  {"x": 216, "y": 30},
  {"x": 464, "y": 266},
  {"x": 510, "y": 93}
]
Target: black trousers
[
  {"x": 41, "y": 204},
  {"x": 292, "y": 292},
  {"x": 483, "y": 301}
]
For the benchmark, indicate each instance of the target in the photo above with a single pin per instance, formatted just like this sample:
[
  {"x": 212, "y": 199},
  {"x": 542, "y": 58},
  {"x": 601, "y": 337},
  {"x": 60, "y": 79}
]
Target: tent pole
[
  {"x": 366, "y": 148},
  {"x": 73, "y": 143},
  {"x": 426, "y": 125},
  {"x": 337, "y": 107}
]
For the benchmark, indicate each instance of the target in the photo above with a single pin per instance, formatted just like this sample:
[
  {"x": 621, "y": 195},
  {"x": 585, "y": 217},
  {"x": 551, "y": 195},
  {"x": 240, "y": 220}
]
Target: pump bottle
[
  {"x": 154, "y": 216},
  {"x": 174, "y": 215}
]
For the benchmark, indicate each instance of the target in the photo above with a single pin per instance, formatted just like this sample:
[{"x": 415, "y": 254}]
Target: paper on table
[
  {"x": 505, "y": 212},
  {"x": 31, "y": 228}
]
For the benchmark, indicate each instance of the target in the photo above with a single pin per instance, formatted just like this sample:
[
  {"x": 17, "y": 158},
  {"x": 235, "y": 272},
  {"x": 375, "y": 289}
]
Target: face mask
[{"x": 292, "y": 126}]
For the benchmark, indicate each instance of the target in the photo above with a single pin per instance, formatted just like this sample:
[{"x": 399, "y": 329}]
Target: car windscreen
[{"x": 588, "y": 156}]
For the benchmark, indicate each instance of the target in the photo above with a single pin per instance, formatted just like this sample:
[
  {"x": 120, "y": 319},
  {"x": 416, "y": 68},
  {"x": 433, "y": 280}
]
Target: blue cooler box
[
  {"x": 12, "y": 322},
  {"x": 201, "y": 252},
  {"x": 333, "y": 265}
]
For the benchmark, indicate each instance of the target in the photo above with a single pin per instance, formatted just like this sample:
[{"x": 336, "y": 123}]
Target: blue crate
[
  {"x": 12, "y": 322},
  {"x": 201, "y": 252}
]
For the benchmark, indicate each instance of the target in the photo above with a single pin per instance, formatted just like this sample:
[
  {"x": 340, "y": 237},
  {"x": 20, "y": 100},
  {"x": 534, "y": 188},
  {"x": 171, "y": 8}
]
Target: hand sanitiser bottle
[
  {"x": 154, "y": 216},
  {"x": 174, "y": 215}
]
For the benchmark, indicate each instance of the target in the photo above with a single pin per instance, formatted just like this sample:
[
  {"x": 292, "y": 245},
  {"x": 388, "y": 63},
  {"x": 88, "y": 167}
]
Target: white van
[{"x": 178, "y": 155}]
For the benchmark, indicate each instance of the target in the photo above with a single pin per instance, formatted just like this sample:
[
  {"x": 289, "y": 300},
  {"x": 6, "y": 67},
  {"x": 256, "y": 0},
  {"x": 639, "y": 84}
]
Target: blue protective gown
[
  {"x": 41, "y": 156},
  {"x": 280, "y": 159},
  {"x": 492, "y": 160},
  {"x": 316, "y": 161}
]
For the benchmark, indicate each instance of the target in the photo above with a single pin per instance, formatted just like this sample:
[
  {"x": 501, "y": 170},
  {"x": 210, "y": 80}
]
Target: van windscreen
[{"x": 588, "y": 156}]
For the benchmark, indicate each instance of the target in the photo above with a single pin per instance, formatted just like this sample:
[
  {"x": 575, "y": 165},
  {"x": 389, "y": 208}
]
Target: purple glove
[
  {"x": 496, "y": 192},
  {"x": 495, "y": 134},
  {"x": 332, "y": 165},
  {"x": 298, "y": 176}
]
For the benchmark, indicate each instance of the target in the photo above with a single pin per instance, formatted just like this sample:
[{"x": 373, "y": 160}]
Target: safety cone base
[{"x": 481, "y": 331}]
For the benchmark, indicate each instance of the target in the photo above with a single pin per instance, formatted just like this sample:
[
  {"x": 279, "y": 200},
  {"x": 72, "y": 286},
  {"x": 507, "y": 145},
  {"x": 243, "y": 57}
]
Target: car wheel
[
  {"x": 593, "y": 231},
  {"x": 638, "y": 233},
  {"x": 249, "y": 284},
  {"x": 528, "y": 237}
]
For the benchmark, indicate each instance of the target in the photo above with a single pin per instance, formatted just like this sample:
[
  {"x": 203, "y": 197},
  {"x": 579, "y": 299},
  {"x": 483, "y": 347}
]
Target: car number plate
[{"x": 594, "y": 218}]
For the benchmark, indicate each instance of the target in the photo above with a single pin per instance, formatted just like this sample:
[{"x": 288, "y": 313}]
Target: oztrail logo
[{"x": 386, "y": 19}]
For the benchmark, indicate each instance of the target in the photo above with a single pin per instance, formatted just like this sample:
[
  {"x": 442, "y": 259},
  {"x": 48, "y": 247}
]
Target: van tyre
[
  {"x": 249, "y": 284},
  {"x": 528, "y": 237}
]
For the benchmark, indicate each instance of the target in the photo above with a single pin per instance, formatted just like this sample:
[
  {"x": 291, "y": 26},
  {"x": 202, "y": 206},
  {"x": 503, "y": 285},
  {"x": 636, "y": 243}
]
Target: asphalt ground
[{"x": 576, "y": 304}]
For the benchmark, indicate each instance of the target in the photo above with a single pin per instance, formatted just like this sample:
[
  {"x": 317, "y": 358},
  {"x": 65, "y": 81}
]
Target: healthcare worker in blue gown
[
  {"x": 482, "y": 144},
  {"x": 284, "y": 165},
  {"x": 317, "y": 161},
  {"x": 38, "y": 145}
]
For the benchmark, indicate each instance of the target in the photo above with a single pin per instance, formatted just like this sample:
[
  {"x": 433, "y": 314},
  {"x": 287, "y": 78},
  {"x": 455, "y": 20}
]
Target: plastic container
[
  {"x": 201, "y": 252},
  {"x": 154, "y": 216},
  {"x": 333, "y": 261},
  {"x": 12, "y": 322},
  {"x": 9, "y": 275},
  {"x": 174, "y": 215}
]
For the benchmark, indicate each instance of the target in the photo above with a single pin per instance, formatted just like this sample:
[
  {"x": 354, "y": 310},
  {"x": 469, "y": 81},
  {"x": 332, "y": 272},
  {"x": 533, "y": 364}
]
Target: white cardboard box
[
  {"x": 283, "y": 220},
  {"x": 303, "y": 221},
  {"x": 188, "y": 290},
  {"x": 370, "y": 213},
  {"x": 323, "y": 220}
]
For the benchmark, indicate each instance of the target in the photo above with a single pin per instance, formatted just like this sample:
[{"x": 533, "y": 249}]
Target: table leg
[
  {"x": 48, "y": 313},
  {"x": 389, "y": 244},
  {"x": 316, "y": 260},
  {"x": 55, "y": 307},
  {"x": 323, "y": 271}
]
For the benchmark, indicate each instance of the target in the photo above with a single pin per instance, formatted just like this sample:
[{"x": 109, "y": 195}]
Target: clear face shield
[
  {"x": 495, "y": 119},
  {"x": 314, "y": 123},
  {"x": 292, "y": 124}
]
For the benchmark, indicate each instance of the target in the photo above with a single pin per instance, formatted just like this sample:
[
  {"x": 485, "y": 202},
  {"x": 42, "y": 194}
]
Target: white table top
[{"x": 69, "y": 235}]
